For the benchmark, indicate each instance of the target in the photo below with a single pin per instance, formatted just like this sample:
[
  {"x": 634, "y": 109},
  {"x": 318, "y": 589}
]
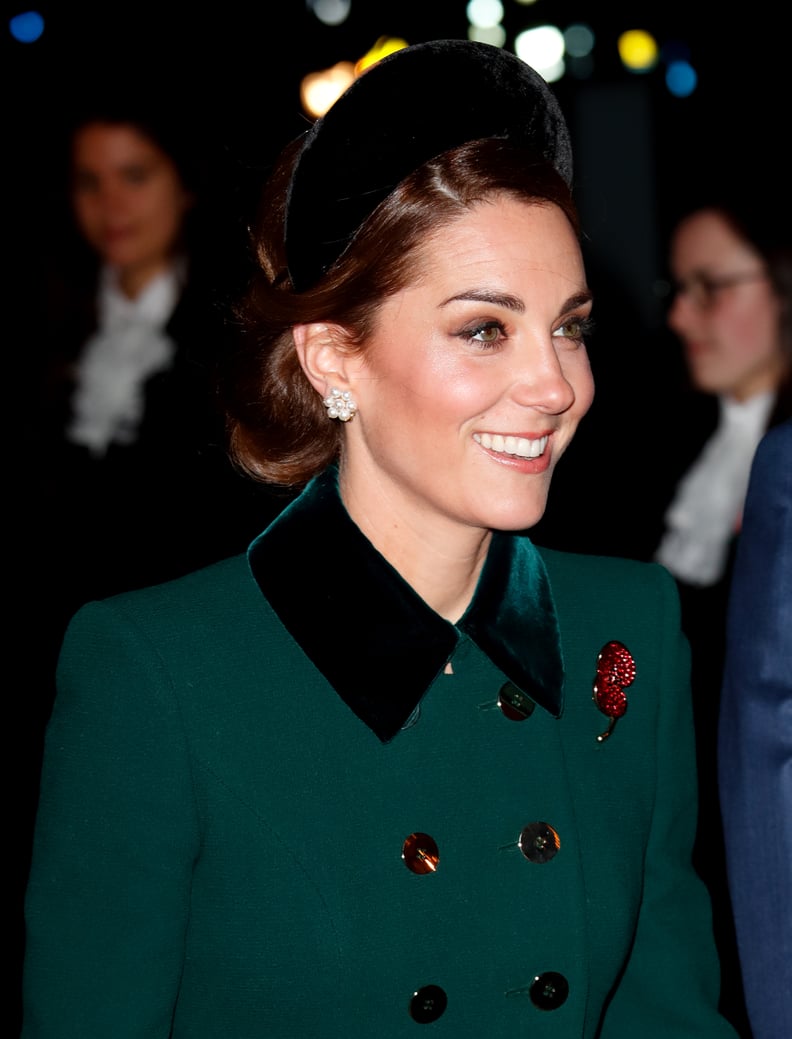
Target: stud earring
[{"x": 340, "y": 405}]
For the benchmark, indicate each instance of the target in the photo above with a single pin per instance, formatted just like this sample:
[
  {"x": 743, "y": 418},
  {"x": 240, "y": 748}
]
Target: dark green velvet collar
[{"x": 375, "y": 640}]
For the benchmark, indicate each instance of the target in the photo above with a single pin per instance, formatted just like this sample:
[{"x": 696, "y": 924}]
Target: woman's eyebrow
[
  {"x": 509, "y": 302},
  {"x": 499, "y": 299},
  {"x": 579, "y": 299}
]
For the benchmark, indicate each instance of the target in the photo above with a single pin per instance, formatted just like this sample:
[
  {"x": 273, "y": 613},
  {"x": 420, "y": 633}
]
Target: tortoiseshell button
[
  {"x": 539, "y": 842},
  {"x": 549, "y": 991},
  {"x": 420, "y": 853},
  {"x": 427, "y": 1004},
  {"x": 514, "y": 704}
]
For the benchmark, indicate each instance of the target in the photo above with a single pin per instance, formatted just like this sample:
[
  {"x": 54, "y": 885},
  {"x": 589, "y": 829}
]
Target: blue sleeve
[{"x": 755, "y": 739}]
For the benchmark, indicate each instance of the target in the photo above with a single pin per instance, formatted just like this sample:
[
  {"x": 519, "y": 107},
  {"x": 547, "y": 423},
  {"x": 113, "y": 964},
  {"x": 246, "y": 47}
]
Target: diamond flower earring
[{"x": 340, "y": 405}]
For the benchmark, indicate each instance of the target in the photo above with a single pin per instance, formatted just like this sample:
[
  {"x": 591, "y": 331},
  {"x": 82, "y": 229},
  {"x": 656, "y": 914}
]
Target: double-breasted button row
[
  {"x": 539, "y": 842},
  {"x": 547, "y": 991}
]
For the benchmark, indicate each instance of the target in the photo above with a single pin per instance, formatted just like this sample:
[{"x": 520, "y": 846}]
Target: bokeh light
[
  {"x": 331, "y": 12},
  {"x": 319, "y": 90},
  {"x": 681, "y": 78},
  {"x": 579, "y": 40},
  {"x": 484, "y": 13},
  {"x": 638, "y": 50},
  {"x": 26, "y": 27},
  {"x": 543, "y": 48},
  {"x": 384, "y": 46},
  {"x": 492, "y": 34}
]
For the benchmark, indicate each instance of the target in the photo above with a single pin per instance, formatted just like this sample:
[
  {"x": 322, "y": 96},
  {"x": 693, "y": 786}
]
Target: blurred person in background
[
  {"x": 732, "y": 311},
  {"x": 131, "y": 484},
  {"x": 136, "y": 325},
  {"x": 731, "y": 263},
  {"x": 136, "y": 483}
]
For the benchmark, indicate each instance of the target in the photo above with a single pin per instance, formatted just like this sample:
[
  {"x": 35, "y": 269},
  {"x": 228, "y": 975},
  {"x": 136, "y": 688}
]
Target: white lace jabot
[
  {"x": 707, "y": 508},
  {"x": 128, "y": 347}
]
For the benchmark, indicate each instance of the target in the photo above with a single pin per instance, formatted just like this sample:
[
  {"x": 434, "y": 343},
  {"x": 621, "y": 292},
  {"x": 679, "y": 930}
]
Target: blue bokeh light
[
  {"x": 681, "y": 78},
  {"x": 26, "y": 27}
]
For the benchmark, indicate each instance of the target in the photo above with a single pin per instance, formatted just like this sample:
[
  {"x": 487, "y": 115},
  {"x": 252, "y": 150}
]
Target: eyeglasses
[{"x": 702, "y": 290}]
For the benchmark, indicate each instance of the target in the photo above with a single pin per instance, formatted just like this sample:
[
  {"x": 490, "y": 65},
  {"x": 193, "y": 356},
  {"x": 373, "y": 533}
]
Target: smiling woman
[
  {"x": 496, "y": 372},
  {"x": 357, "y": 779}
]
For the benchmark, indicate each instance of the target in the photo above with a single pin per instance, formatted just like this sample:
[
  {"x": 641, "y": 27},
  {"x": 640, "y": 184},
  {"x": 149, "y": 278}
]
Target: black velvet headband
[{"x": 408, "y": 108}]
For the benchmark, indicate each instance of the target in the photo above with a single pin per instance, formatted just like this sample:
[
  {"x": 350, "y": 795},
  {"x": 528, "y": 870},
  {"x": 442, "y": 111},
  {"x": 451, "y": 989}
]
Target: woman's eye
[
  {"x": 137, "y": 175},
  {"x": 488, "y": 332},
  {"x": 576, "y": 328}
]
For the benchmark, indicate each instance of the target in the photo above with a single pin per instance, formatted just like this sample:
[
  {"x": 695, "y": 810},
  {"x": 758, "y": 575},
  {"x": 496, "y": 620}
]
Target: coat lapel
[{"x": 376, "y": 641}]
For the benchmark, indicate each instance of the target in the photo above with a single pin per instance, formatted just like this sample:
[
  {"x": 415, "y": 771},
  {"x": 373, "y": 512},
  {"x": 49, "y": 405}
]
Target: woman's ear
[{"x": 322, "y": 355}]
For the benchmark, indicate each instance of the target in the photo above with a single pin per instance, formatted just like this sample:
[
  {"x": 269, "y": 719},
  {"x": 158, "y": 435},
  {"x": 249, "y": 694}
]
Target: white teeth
[{"x": 520, "y": 446}]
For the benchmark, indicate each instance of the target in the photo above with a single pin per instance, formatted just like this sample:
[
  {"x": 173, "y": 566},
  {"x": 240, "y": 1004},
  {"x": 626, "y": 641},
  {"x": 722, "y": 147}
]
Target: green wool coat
[{"x": 268, "y": 810}]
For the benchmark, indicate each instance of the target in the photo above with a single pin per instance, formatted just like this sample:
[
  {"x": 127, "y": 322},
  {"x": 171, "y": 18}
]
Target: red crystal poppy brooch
[{"x": 615, "y": 672}]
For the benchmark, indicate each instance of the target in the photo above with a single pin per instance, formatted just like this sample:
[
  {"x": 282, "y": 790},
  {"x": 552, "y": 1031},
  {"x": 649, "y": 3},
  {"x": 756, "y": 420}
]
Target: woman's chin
[{"x": 518, "y": 516}]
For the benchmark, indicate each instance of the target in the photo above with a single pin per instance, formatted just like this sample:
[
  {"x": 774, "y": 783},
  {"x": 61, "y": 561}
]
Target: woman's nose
[
  {"x": 543, "y": 384},
  {"x": 681, "y": 313}
]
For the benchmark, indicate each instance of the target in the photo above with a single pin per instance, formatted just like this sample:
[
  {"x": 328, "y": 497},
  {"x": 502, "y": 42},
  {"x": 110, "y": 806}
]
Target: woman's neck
[
  {"x": 134, "y": 279},
  {"x": 441, "y": 561}
]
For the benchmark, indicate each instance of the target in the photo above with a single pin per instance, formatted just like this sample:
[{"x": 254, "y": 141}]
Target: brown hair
[{"x": 278, "y": 428}]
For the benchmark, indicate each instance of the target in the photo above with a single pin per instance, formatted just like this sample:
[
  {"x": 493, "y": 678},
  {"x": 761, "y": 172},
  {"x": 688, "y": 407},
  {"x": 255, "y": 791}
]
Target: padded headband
[{"x": 410, "y": 107}]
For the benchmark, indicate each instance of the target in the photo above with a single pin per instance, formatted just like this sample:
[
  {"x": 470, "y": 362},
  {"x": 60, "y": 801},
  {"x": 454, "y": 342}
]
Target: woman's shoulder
[
  {"x": 595, "y": 565},
  {"x": 201, "y": 624},
  {"x": 610, "y": 581},
  {"x": 196, "y": 600},
  {"x": 599, "y": 599}
]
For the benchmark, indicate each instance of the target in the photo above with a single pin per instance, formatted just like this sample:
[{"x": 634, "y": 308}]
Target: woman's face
[
  {"x": 475, "y": 378},
  {"x": 725, "y": 310},
  {"x": 128, "y": 197}
]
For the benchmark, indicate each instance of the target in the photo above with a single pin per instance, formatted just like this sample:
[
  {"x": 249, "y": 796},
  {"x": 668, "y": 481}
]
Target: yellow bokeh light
[
  {"x": 319, "y": 90},
  {"x": 638, "y": 50},
  {"x": 384, "y": 46}
]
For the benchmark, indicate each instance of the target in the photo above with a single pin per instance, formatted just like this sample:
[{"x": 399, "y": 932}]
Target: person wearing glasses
[
  {"x": 731, "y": 312},
  {"x": 731, "y": 264}
]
